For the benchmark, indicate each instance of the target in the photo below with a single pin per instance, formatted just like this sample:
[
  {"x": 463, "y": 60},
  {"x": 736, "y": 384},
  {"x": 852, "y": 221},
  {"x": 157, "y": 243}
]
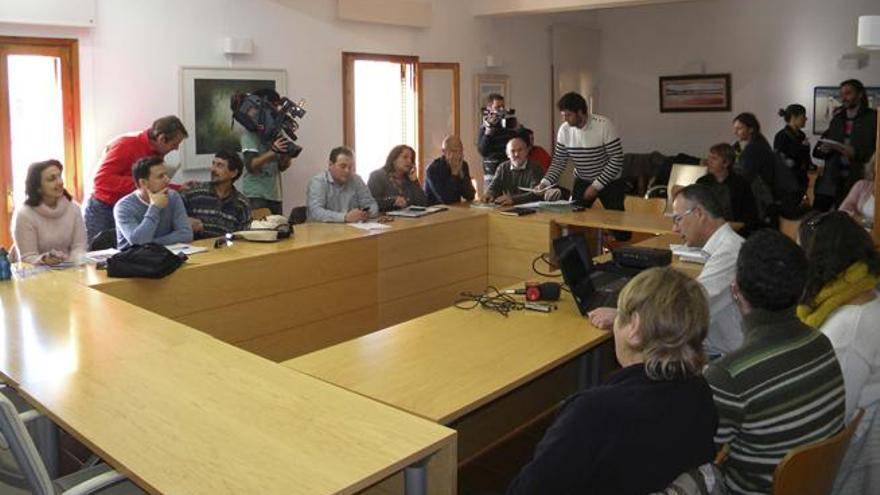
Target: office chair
[{"x": 16, "y": 443}]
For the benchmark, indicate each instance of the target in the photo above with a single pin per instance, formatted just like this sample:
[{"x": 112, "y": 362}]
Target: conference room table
[{"x": 175, "y": 381}]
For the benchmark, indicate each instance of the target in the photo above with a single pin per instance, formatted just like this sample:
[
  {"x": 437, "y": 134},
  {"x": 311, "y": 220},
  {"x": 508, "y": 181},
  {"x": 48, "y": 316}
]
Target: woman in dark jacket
[
  {"x": 395, "y": 186},
  {"x": 756, "y": 160},
  {"x": 794, "y": 148},
  {"x": 654, "y": 419}
]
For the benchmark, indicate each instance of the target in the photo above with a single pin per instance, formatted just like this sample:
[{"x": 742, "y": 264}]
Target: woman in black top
[
  {"x": 654, "y": 419},
  {"x": 794, "y": 147},
  {"x": 756, "y": 160},
  {"x": 395, "y": 185}
]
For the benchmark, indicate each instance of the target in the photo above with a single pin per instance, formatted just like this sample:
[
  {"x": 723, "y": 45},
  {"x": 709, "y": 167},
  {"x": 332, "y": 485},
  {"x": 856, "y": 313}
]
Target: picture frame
[
  {"x": 695, "y": 93},
  {"x": 204, "y": 108},
  {"x": 486, "y": 84},
  {"x": 827, "y": 98}
]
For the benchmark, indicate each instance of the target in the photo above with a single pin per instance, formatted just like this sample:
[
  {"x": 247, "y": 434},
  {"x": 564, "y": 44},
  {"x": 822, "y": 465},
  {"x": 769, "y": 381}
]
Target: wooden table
[{"x": 142, "y": 372}]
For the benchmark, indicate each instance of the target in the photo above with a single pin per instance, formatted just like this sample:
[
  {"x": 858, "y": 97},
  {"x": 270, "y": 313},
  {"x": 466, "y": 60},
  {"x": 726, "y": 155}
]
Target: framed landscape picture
[
  {"x": 205, "y": 111},
  {"x": 826, "y": 99},
  {"x": 695, "y": 93}
]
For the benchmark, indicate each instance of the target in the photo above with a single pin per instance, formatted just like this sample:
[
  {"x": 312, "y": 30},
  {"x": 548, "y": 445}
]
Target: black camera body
[
  {"x": 269, "y": 120},
  {"x": 504, "y": 118}
]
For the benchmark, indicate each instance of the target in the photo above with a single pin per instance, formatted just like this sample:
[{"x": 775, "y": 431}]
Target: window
[{"x": 39, "y": 115}]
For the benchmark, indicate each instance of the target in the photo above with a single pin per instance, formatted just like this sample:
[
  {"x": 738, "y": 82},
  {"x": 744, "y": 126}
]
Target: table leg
[{"x": 416, "y": 478}]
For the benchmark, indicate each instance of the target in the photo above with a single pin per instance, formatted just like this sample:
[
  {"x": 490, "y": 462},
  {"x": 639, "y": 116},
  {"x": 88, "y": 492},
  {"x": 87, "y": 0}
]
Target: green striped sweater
[{"x": 783, "y": 388}]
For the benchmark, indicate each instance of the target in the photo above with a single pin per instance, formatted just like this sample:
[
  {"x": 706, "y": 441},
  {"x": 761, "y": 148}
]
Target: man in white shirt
[{"x": 697, "y": 216}]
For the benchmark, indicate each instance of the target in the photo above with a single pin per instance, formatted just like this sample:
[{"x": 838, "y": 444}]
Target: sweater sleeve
[
  {"x": 134, "y": 231},
  {"x": 614, "y": 152},
  {"x": 363, "y": 196},
  {"x": 467, "y": 188},
  {"x": 378, "y": 184},
  {"x": 560, "y": 158},
  {"x": 181, "y": 229},
  {"x": 24, "y": 234},
  {"x": 728, "y": 402}
]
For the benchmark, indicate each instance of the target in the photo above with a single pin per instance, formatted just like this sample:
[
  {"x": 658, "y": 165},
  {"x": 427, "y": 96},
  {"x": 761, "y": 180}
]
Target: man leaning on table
[
  {"x": 338, "y": 194},
  {"x": 152, "y": 213},
  {"x": 697, "y": 217}
]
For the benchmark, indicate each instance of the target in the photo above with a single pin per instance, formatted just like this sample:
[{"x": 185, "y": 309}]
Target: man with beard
[
  {"x": 847, "y": 144},
  {"x": 216, "y": 208}
]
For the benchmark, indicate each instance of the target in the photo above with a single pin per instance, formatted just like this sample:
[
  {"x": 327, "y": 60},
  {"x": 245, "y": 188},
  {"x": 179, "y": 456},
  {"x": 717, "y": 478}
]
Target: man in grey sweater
[
  {"x": 518, "y": 171},
  {"x": 151, "y": 213}
]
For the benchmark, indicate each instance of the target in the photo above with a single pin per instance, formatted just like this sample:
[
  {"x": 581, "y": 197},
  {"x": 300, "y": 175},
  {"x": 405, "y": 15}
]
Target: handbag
[{"x": 144, "y": 261}]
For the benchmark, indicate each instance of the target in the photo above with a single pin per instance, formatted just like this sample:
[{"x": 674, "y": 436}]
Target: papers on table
[
  {"x": 370, "y": 226},
  {"x": 689, "y": 254},
  {"x": 560, "y": 204},
  {"x": 480, "y": 204},
  {"x": 100, "y": 256},
  {"x": 416, "y": 211},
  {"x": 187, "y": 249}
]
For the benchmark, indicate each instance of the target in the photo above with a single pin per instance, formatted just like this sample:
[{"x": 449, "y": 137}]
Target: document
[
  {"x": 370, "y": 226},
  {"x": 187, "y": 249}
]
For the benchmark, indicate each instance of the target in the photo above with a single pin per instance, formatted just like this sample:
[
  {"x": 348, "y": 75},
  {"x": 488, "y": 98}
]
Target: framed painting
[
  {"x": 204, "y": 104},
  {"x": 826, "y": 100},
  {"x": 695, "y": 93}
]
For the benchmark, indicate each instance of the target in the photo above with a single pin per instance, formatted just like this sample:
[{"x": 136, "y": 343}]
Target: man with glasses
[{"x": 697, "y": 216}]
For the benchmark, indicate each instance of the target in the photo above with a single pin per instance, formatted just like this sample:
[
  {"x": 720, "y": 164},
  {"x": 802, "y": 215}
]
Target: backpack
[{"x": 146, "y": 261}]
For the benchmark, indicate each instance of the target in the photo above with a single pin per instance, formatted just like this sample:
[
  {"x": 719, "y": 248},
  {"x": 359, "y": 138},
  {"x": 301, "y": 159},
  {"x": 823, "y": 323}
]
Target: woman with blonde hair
[
  {"x": 654, "y": 418},
  {"x": 859, "y": 203}
]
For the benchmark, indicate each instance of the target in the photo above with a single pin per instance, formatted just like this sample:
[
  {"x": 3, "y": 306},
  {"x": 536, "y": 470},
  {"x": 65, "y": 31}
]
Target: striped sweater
[
  {"x": 782, "y": 389},
  {"x": 595, "y": 150}
]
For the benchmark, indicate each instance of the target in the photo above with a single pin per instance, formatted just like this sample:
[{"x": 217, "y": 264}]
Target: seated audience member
[
  {"x": 841, "y": 301},
  {"x": 48, "y": 229},
  {"x": 338, "y": 194},
  {"x": 537, "y": 154},
  {"x": 653, "y": 419},
  {"x": 518, "y": 171},
  {"x": 217, "y": 208},
  {"x": 859, "y": 203},
  {"x": 395, "y": 185},
  {"x": 152, "y": 213},
  {"x": 783, "y": 388},
  {"x": 732, "y": 191},
  {"x": 697, "y": 218},
  {"x": 448, "y": 179}
]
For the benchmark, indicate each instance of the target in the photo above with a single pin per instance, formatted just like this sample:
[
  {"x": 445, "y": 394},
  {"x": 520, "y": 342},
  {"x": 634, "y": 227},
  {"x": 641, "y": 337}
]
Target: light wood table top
[
  {"x": 181, "y": 412},
  {"x": 445, "y": 364},
  {"x": 605, "y": 219}
]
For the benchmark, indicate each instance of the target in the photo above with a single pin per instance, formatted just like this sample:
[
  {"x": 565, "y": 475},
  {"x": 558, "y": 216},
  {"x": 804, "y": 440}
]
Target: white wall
[
  {"x": 130, "y": 62},
  {"x": 776, "y": 51}
]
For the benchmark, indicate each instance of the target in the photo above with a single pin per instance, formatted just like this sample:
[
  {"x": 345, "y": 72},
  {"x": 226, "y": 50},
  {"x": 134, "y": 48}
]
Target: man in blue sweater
[{"x": 152, "y": 213}]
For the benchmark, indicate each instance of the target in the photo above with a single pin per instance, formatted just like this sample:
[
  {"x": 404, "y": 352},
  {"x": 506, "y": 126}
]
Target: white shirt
[{"x": 725, "y": 320}]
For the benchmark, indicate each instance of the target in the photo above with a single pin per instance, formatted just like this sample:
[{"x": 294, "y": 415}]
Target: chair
[
  {"x": 297, "y": 215},
  {"x": 681, "y": 175},
  {"x": 105, "y": 239},
  {"x": 656, "y": 206},
  {"x": 16, "y": 440},
  {"x": 260, "y": 213},
  {"x": 811, "y": 469}
]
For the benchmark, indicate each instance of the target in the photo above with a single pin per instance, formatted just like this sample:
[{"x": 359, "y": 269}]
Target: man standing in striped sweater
[
  {"x": 591, "y": 142},
  {"x": 783, "y": 388}
]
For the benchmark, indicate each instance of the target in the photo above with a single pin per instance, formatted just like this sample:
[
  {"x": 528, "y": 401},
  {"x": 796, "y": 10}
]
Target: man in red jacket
[{"x": 113, "y": 179}]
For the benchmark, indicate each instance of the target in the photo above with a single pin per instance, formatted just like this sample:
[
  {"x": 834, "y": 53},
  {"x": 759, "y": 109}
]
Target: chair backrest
[
  {"x": 811, "y": 469},
  {"x": 682, "y": 175},
  {"x": 105, "y": 239},
  {"x": 642, "y": 205},
  {"x": 260, "y": 213},
  {"x": 23, "y": 449},
  {"x": 298, "y": 215}
]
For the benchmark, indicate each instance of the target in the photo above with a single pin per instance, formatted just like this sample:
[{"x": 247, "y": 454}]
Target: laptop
[
  {"x": 416, "y": 211},
  {"x": 591, "y": 288}
]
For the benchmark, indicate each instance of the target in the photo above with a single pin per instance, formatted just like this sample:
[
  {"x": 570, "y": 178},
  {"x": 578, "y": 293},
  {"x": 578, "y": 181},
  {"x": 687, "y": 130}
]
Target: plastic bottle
[{"x": 5, "y": 265}]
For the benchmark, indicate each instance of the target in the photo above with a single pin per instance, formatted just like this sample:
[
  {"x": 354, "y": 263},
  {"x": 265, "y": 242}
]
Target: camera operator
[
  {"x": 263, "y": 163},
  {"x": 495, "y": 132}
]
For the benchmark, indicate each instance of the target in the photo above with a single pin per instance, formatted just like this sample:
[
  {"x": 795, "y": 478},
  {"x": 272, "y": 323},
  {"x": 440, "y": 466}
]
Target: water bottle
[{"x": 5, "y": 265}]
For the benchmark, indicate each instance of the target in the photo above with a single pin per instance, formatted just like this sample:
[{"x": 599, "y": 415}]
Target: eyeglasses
[{"x": 676, "y": 219}]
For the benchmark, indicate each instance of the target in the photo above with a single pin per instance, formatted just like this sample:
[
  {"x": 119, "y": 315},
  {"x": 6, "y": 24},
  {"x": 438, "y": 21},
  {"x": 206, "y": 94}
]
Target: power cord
[
  {"x": 545, "y": 257},
  {"x": 492, "y": 299}
]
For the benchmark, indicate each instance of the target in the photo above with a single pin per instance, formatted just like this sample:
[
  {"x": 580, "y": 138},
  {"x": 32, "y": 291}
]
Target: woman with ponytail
[{"x": 793, "y": 147}]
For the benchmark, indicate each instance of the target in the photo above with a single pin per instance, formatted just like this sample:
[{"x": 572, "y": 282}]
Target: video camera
[
  {"x": 270, "y": 116},
  {"x": 504, "y": 118}
]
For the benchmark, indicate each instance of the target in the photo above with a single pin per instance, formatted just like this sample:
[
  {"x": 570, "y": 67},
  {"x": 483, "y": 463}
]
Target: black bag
[{"x": 146, "y": 261}]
